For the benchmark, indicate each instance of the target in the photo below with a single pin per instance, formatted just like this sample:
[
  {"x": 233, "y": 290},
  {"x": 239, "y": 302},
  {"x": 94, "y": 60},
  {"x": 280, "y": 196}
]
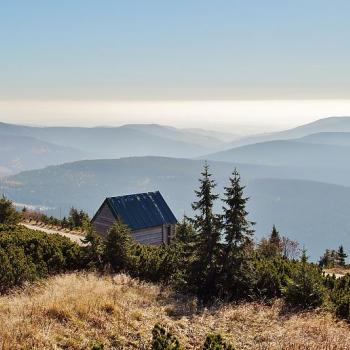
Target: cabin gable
[{"x": 103, "y": 220}]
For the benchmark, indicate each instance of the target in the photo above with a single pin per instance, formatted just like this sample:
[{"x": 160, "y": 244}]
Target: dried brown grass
[{"x": 76, "y": 311}]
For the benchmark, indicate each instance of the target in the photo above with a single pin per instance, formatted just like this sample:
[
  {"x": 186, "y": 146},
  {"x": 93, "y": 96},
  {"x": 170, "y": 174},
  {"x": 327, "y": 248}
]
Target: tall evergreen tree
[
  {"x": 341, "y": 256},
  {"x": 238, "y": 229},
  {"x": 236, "y": 269},
  {"x": 208, "y": 227}
]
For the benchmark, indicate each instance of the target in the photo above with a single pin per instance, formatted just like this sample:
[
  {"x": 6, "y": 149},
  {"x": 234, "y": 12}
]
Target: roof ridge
[
  {"x": 142, "y": 210},
  {"x": 134, "y": 194}
]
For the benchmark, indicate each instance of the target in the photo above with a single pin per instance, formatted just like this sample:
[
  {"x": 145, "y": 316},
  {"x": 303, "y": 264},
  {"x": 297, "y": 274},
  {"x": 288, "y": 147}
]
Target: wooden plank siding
[
  {"x": 103, "y": 220},
  {"x": 157, "y": 235},
  {"x": 149, "y": 235}
]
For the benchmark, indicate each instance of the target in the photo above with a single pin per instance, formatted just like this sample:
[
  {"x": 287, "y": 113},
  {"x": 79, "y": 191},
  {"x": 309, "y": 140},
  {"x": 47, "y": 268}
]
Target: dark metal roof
[{"x": 142, "y": 210}]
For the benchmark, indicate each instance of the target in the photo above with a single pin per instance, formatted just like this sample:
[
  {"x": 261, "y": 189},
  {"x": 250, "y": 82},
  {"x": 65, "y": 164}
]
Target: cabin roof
[{"x": 141, "y": 210}]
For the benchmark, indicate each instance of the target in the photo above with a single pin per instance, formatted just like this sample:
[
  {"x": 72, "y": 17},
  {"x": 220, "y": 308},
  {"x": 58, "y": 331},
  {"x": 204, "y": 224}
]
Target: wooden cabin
[{"x": 146, "y": 214}]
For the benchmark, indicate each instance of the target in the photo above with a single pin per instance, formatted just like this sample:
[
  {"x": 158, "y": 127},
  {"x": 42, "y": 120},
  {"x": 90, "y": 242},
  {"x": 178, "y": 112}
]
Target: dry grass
[{"x": 75, "y": 311}]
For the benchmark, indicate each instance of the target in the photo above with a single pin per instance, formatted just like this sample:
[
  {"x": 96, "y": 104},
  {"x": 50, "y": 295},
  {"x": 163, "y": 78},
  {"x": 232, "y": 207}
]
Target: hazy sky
[{"x": 156, "y": 50}]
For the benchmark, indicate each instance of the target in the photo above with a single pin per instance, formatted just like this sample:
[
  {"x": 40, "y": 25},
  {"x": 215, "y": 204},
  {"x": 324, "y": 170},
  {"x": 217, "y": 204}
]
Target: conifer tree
[
  {"x": 341, "y": 256},
  {"x": 208, "y": 227},
  {"x": 272, "y": 246},
  {"x": 236, "y": 272},
  {"x": 275, "y": 238},
  {"x": 238, "y": 229}
]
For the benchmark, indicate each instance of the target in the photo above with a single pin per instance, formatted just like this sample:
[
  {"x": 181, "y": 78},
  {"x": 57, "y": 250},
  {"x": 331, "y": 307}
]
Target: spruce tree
[
  {"x": 238, "y": 229},
  {"x": 236, "y": 269},
  {"x": 273, "y": 246},
  {"x": 341, "y": 256},
  {"x": 208, "y": 227}
]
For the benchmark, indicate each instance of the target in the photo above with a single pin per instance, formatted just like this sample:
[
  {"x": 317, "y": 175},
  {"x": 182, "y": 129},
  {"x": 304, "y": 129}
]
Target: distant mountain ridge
[
  {"x": 287, "y": 153},
  {"x": 102, "y": 142},
  {"x": 330, "y": 124}
]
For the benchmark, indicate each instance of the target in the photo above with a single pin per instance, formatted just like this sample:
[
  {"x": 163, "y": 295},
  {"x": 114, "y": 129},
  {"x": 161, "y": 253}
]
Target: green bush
[
  {"x": 164, "y": 340},
  {"x": 26, "y": 255},
  {"x": 339, "y": 295},
  {"x": 305, "y": 288},
  {"x": 216, "y": 342},
  {"x": 118, "y": 247},
  {"x": 8, "y": 213}
]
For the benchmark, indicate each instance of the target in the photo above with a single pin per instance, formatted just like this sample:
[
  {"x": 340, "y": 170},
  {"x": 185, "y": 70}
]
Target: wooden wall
[
  {"x": 103, "y": 220},
  {"x": 149, "y": 235}
]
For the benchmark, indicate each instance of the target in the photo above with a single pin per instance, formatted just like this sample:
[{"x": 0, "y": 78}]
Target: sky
[{"x": 179, "y": 54}]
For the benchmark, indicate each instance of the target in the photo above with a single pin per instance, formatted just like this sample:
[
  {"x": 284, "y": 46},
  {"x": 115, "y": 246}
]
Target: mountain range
[
  {"x": 298, "y": 179},
  {"x": 65, "y": 144}
]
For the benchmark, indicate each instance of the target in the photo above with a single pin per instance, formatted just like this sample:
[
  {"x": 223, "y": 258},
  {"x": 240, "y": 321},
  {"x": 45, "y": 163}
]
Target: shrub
[
  {"x": 118, "y": 247},
  {"x": 216, "y": 342},
  {"x": 306, "y": 287},
  {"x": 8, "y": 213},
  {"x": 339, "y": 294},
  {"x": 26, "y": 255},
  {"x": 164, "y": 340}
]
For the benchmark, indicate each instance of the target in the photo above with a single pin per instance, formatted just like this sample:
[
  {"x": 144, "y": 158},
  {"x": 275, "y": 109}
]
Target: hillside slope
[
  {"x": 18, "y": 153},
  {"x": 79, "y": 311},
  {"x": 331, "y": 124},
  {"x": 292, "y": 153},
  {"x": 328, "y": 138}
]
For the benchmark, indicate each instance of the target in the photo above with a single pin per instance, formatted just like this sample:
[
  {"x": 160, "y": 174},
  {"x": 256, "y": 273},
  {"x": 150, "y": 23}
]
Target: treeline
[
  {"x": 77, "y": 219},
  {"x": 333, "y": 258}
]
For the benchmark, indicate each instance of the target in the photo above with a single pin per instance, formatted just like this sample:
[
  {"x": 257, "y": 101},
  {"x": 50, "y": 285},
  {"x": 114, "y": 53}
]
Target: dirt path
[{"x": 73, "y": 237}]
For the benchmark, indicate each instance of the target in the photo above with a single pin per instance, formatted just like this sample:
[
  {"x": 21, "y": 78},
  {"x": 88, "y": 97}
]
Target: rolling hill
[
  {"x": 288, "y": 153},
  {"x": 19, "y": 153},
  {"x": 314, "y": 213},
  {"x": 331, "y": 124},
  {"x": 127, "y": 140},
  {"x": 328, "y": 138}
]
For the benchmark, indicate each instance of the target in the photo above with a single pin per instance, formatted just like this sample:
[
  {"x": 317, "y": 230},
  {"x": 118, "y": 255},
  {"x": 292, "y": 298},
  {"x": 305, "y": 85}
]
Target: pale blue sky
[{"x": 180, "y": 49}]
